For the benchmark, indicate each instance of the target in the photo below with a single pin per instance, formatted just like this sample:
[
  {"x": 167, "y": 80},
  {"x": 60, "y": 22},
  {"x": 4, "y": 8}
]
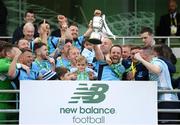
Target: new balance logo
[{"x": 94, "y": 94}]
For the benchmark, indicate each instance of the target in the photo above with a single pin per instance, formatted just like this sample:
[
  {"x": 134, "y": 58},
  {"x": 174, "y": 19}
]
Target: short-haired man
[
  {"x": 9, "y": 58},
  {"x": 108, "y": 61},
  {"x": 146, "y": 35},
  {"x": 28, "y": 17},
  {"x": 43, "y": 63},
  {"x": 23, "y": 69},
  {"x": 126, "y": 51},
  {"x": 158, "y": 71},
  {"x": 44, "y": 36},
  {"x": 23, "y": 44},
  {"x": 137, "y": 70},
  {"x": 169, "y": 23},
  {"x": 63, "y": 60},
  {"x": 28, "y": 31}
]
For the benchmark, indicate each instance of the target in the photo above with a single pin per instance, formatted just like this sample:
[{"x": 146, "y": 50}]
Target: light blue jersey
[
  {"x": 163, "y": 79},
  {"x": 107, "y": 72},
  {"x": 90, "y": 55},
  {"x": 23, "y": 75},
  {"x": 118, "y": 69},
  {"x": 52, "y": 43},
  {"x": 63, "y": 62},
  {"x": 41, "y": 66},
  {"x": 79, "y": 42}
]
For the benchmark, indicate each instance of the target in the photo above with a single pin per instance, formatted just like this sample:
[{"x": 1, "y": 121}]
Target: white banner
[{"x": 88, "y": 103}]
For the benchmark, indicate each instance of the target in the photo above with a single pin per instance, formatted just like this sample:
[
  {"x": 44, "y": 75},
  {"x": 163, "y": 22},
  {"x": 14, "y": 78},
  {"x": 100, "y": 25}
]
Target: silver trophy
[{"x": 100, "y": 29}]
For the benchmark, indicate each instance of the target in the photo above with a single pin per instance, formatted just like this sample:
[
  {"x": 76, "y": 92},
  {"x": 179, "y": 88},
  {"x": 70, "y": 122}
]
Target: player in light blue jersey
[
  {"x": 44, "y": 37},
  {"x": 78, "y": 40},
  {"x": 43, "y": 63},
  {"x": 158, "y": 71}
]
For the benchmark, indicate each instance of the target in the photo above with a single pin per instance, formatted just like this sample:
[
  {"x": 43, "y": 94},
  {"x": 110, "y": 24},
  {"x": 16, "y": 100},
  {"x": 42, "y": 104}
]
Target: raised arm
[
  {"x": 89, "y": 30},
  {"x": 12, "y": 67},
  {"x": 151, "y": 67},
  {"x": 98, "y": 53}
]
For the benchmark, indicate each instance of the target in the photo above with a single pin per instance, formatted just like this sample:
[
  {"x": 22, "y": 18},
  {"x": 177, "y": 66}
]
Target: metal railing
[
  {"x": 5, "y": 37},
  {"x": 124, "y": 38}
]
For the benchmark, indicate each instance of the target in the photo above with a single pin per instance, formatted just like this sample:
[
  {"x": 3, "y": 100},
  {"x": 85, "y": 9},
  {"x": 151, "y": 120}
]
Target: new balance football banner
[{"x": 88, "y": 103}]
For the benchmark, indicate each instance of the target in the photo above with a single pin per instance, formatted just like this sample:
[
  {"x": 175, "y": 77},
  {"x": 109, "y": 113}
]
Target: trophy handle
[{"x": 106, "y": 28}]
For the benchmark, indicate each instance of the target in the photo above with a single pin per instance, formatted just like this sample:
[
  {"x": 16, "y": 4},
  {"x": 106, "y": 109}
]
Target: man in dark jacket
[
  {"x": 18, "y": 33},
  {"x": 170, "y": 23}
]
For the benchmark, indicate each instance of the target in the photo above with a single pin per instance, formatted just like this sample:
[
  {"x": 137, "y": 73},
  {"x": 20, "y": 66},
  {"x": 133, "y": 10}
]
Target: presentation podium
[{"x": 88, "y": 102}]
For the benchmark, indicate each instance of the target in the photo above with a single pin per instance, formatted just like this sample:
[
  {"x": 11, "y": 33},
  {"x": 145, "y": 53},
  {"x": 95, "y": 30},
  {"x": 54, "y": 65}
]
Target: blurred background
[{"x": 124, "y": 17}]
